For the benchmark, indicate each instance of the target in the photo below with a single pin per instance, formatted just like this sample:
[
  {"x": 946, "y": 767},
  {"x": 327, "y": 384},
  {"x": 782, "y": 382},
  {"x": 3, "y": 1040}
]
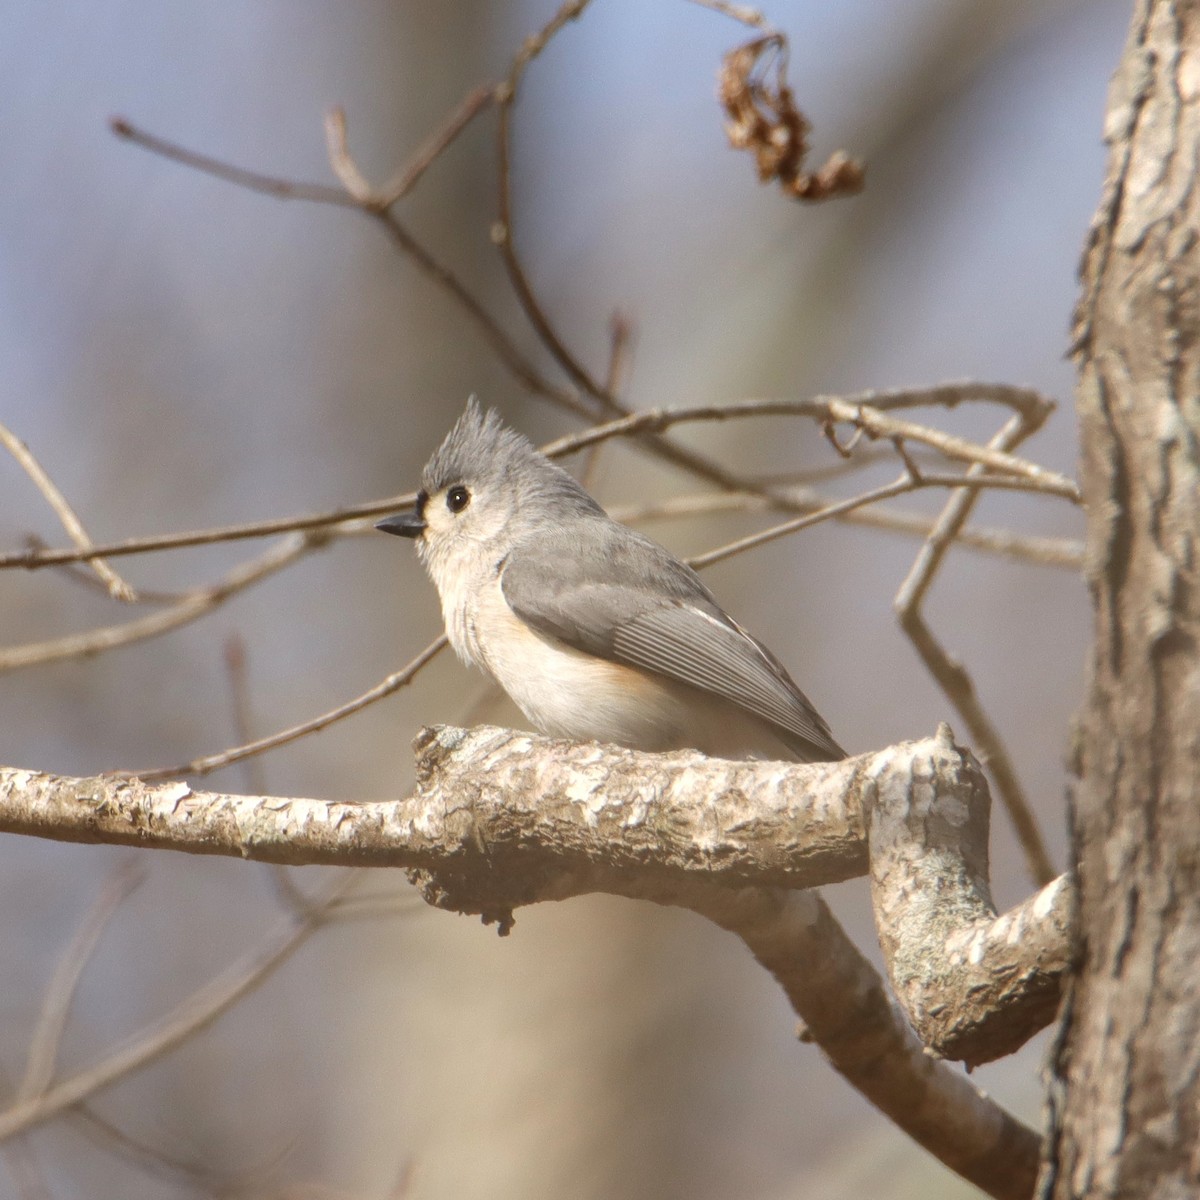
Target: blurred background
[{"x": 180, "y": 353}]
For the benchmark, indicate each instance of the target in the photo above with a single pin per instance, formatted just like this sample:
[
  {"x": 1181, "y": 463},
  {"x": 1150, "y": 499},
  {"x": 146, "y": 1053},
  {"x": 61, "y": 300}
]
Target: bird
[{"x": 595, "y": 631}]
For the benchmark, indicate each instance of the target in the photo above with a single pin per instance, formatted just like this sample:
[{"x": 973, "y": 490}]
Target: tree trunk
[{"x": 1126, "y": 1073}]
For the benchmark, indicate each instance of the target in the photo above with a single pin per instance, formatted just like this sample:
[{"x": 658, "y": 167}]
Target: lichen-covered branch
[
  {"x": 502, "y": 819},
  {"x": 499, "y": 820},
  {"x": 976, "y": 986}
]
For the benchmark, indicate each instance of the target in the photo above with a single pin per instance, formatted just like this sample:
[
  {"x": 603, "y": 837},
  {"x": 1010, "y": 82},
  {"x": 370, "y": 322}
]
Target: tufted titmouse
[{"x": 594, "y": 630}]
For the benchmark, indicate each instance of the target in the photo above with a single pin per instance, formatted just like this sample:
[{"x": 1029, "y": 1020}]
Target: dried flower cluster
[{"x": 763, "y": 117}]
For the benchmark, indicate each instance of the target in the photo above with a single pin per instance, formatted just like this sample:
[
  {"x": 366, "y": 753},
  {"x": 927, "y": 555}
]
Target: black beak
[{"x": 409, "y": 524}]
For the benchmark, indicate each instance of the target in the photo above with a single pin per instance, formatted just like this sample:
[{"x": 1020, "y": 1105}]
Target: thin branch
[
  {"x": 253, "y": 772},
  {"x": 502, "y": 229},
  {"x": 253, "y": 181},
  {"x": 502, "y": 234},
  {"x": 399, "y": 904},
  {"x": 741, "y": 13},
  {"x": 953, "y": 677},
  {"x": 410, "y": 174},
  {"x": 504, "y": 346},
  {"x": 343, "y": 165},
  {"x": 407, "y": 177},
  {"x": 315, "y": 522},
  {"x": 47, "y": 1037},
  {"x": 1045, "y": 551},
  {"x": 79, "y": 572},
  {"x": 357, "y": 197},
  {"x": 190, "y": 607},
  {"x": 195, "y": 1014},
  {"x": 841, "y": 508},
  {"x": 386, "y": 687},
  {"x": 426, "y": 263},
  {"x": 379, "y": 203},
  {"x": 876, "y": 424},
  {"x": 620, "y": 339},
  {"x": 819, "y": 409},
  {"x": 237, "y": 672},
  {"x": 152, "y": 1160},
  {"x": 116, "y": 587},
  {"x": 863, "y": 414}
]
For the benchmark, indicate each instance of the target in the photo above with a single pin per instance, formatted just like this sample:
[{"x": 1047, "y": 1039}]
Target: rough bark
[{"x": 1126, "y": 1086}]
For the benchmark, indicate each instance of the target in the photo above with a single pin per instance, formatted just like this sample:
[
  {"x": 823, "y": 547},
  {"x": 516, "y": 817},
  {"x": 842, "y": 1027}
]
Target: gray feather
[
  {"x": 609, "y": 591},
  {"x": 481, "y": 450}
]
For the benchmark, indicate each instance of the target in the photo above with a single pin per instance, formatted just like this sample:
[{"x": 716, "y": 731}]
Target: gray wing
[{"x": 610, "y": 592}]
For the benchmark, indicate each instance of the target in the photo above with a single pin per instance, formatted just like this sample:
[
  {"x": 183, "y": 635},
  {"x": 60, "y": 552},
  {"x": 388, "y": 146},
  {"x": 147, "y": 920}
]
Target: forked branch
[{"x": 502, "y": 819}]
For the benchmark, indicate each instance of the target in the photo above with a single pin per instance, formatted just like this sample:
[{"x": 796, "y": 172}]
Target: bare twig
[
  {"x": 117, "y": 587},
  {"x": 876, "y": 424},
  {"x": 603, "y": 394},
  {"x": 490, "y": 328},
  {"x": 953, "y": 677},
  {"x": 429, "y": 266},
  {"x": 290, "y": 893},
  {"x": 864, "y": 404},
  {"x": 316, "y": 522},
  {"x": 236, "y": 669},
  {"x": 620, "y": 339},
  {"x": 842, "y": 508},
  {"x": 620, "y": 332},
  {"x": 381, "y": 199},
  {"x": 737, "y": 12},
  {"x": 410, "y": 174},
  {"x": 195, "y": 1014},
  {"x": 190, "y": 607},
  {"x": 254, "y": 181},
  {"x": 446, "y": 279},
  {"x": 43, "y": 1046},
  {"x": 502, "y": 229},
  {"x": 344, "y": 167},
  {"x": 396, "y": 904},
  {"x": 78, "y": 572},
  {"x": 1045, "y": 551},
  {"x": 870, "y": 414},
  {"x": 393, "y": 683},
  {"x": 162, "y": 1164}
]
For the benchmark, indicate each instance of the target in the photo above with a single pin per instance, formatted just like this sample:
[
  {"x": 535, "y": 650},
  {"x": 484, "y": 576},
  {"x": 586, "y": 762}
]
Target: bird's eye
[{"x": 457, "y": 498}]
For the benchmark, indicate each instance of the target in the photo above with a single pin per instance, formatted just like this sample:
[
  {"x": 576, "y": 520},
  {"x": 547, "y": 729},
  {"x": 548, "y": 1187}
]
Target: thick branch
[
  {"x": 954, "y": 964},
  {"x": 845, "y": 1009},
  {"x": 497, "y": 813},
  {"x": 502, "y": 819}
]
